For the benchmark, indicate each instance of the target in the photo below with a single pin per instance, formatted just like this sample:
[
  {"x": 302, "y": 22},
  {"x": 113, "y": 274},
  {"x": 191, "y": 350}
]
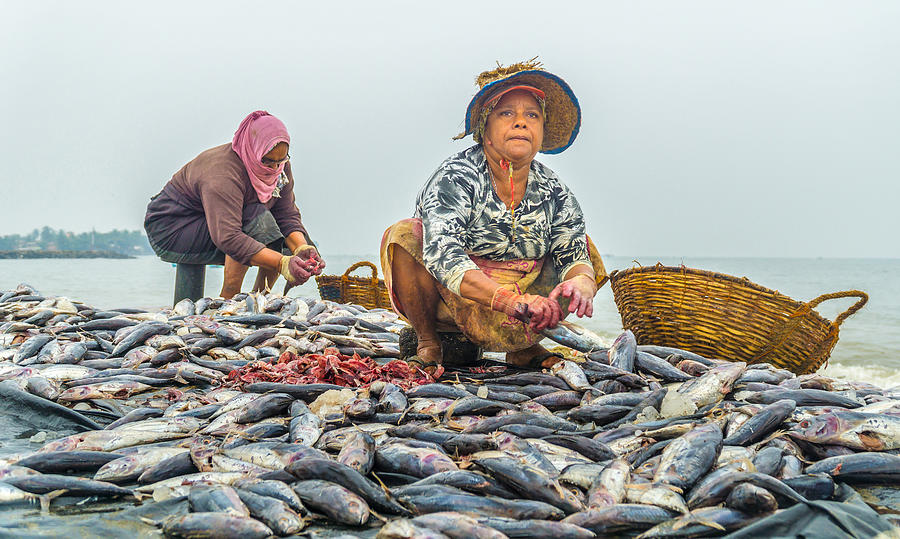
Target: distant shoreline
[{"x": 6, "y": 255}]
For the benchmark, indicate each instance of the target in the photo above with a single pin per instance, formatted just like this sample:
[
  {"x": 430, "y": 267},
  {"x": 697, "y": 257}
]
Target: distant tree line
[{"x": 129, "y": 242}]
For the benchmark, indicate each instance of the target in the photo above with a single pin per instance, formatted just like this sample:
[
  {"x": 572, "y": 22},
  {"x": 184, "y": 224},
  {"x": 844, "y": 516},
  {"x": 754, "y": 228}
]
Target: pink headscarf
[{"x": 254, "y": 138}]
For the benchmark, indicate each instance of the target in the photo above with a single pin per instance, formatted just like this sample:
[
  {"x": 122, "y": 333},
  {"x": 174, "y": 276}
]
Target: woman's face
[
  {"x": 276, "y": 156},
  {"x": 515, "y": 128}
]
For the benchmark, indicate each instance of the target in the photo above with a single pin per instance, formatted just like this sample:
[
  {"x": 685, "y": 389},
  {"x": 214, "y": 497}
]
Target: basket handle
[
  {"x": 863, "y": 299},
  {"x": 790, "y": 325},
  {"x": 365, "y": 263}
]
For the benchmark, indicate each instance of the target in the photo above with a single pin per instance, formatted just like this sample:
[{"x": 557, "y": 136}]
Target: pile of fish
[{"x": 208, "y": 401}]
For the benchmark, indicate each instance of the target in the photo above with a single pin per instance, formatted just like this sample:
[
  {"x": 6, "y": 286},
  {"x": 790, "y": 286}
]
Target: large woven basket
[
  {"x": 724, "y": 317},
  {"x": 370, "y": 292}
]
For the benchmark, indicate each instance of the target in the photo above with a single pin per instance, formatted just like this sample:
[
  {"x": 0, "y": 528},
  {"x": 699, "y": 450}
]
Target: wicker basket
[
  {"x": 370, "y": 292},
  {"x": 724, "y": 317}
]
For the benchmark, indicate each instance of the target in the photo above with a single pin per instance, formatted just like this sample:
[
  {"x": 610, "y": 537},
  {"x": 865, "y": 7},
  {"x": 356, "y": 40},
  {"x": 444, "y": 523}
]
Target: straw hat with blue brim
[{"x": 562, "y": 114}]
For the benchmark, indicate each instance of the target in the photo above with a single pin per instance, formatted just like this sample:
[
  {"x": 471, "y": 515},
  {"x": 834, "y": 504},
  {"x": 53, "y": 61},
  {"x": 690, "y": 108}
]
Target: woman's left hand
[
  {"x": 311, "y": 254},
  {"x": 580, "y": 291}
]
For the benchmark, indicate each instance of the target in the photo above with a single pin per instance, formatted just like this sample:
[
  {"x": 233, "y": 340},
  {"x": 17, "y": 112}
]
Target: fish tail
[{"x": 45, "y": 499}]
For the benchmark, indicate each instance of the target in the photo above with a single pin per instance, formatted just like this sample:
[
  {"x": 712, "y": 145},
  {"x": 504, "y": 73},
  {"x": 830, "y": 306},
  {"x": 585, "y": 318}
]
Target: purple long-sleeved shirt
[{"x": 216, "y": 183}]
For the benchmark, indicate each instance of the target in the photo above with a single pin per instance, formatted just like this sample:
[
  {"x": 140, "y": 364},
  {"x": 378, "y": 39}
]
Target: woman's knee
[{"x": 401, "y": 257}]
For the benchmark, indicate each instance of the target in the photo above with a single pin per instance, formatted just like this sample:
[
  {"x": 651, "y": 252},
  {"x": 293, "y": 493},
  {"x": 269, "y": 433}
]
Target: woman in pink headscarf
[{"x": 234, "y": 205}]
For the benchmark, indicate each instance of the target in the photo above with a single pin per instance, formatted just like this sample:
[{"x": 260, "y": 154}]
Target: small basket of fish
[
  {"x": 725, "y": 317},
  {"x": 370, "y": 292}
]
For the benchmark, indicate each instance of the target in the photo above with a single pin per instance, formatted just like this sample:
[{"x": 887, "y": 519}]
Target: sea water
[{"x": 868, "y": 349}]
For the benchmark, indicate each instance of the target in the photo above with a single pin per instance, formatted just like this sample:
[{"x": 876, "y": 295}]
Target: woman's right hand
[{"x": 537, "y": 311}]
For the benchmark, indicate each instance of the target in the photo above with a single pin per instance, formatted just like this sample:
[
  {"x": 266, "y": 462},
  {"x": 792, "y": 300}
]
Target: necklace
[{"x": 506, "y": 165}]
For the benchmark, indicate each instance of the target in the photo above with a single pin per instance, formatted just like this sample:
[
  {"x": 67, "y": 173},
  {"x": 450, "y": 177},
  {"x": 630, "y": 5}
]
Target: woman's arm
[
  {"x": 266, "y": 258},
  {"x": 294, "y": 240},
  {"x": 444, "y": 206},
  {"x": 478, "y": 287},
  {"x": 223, "y": 203},
  {"x": 568, "y": 239},
  {"x": 569, "y": 250}
]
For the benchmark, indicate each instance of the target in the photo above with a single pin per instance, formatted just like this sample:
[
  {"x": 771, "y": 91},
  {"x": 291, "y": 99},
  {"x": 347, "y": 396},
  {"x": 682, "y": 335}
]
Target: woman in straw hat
[
  {"x": 497, "y": 241},
  {"x": 234, "y": 204}
]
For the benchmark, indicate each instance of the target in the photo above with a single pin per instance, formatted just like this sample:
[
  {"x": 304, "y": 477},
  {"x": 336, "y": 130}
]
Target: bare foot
[{"x": 535, "y": 356}]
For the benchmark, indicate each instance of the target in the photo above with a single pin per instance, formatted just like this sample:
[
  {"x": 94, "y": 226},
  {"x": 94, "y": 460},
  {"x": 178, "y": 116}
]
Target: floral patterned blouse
[{"x": 461, "y": 215}]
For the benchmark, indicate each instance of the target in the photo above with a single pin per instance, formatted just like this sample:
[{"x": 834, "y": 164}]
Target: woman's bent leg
[
  {"x": 234, "y": 277},
  {"x": 265, "y": 280},
  {"x": 417, "y": 292},
  {"x": 535, "y": 356}
]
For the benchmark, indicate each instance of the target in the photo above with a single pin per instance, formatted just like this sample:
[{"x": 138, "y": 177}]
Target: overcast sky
[{"x": 761, "y": 128}]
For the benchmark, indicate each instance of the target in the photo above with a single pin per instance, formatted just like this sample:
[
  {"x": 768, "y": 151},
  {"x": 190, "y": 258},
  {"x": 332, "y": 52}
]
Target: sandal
[
  {"x": 432, "y": 368},
  {"x": 422, "y": 364}
]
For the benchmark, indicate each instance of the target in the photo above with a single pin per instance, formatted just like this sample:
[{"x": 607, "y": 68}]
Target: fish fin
[
  {"x": 376, "y": 515},
  {"x": 667, "y": 486},
  {"x": 45, "y": 499},
  {"x": 452, "y": 425},
  {"x": 149, "y": 522},
  {"x": 691, "y": 519},
  {"x": 448, "y": 415},
  {"x": 777, "y": 434},
  {"x": 711, "y": 524},
  {"x": 383, "y": 486}
]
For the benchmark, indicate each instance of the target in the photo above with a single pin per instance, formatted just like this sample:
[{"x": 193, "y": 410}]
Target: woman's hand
[
  {"x": 537, "y": 311},
  {"x": 580, "y": 291},
  {"x": 310, "y": 254},
  {"x": 297, "y": 270}
]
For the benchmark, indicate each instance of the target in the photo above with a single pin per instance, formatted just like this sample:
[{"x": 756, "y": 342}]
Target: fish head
[
  {"x": 819, "y": 428},
  {"x": 77, "y": 393},
  {"x": 117, "y": 467},
  {"x": 69, "y": 443},
  {"x": 437, "y": 461},
  {"x": 623, "y": 340},
  {"x": 728, "y": 374}
]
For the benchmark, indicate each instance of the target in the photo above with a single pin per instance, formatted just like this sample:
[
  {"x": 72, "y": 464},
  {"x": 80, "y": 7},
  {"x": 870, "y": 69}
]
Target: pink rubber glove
[
  {"x": 308, "y": 252},
  {"x": 296, "y": 270},
  {"x": 537, "y": 311}
]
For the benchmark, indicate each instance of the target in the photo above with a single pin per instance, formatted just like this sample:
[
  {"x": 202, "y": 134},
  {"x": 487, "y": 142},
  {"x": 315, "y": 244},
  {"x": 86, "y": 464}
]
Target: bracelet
[{"x": 500, "y": 299}]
